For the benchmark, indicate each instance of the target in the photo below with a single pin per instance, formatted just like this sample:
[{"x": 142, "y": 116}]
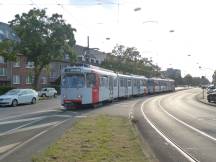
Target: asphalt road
[
  {"x": 175, "y": 126},
  {"x": 178, "y": 127},
  {"x": 27, "y": 130}
]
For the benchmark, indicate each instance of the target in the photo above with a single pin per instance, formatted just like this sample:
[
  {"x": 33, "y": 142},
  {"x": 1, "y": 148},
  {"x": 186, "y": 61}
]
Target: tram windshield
[{"x": 73, "y": 81}]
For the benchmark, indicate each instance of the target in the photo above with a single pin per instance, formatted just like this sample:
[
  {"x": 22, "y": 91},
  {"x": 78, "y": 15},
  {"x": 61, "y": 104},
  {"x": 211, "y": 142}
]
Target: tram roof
[{"x": 89, "y": 68}]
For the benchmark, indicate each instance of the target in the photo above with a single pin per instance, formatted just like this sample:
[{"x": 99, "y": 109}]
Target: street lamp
[{"x": 137, "y": 9}]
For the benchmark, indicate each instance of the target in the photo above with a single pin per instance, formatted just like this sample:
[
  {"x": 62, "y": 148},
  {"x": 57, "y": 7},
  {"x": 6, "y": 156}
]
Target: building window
[
  {"x": 16, "y": 79},
  {"x": 66, "y": 57},
  {"x": 2, "y": 61},
  {"x": 43, "y": 80},
  {"x": 29, "y": 79},
  {"x": 92, "y": 61},
  {"x": 97, "y": 62},
  {"x": 30, "y": 64},
  {"x": 2, "y": 72},
  {"x": 17, "y": 63}
]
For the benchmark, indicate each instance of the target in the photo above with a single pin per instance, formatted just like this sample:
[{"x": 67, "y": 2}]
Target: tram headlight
[{"x": 79, "y": 96}]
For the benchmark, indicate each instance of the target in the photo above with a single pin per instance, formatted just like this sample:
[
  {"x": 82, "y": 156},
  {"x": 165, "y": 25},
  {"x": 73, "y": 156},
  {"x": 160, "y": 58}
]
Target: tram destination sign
[{"x": 72, "y": 70}]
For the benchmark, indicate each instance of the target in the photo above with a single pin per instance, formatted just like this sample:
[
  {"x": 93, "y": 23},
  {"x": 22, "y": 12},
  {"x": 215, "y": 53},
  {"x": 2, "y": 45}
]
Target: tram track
[{"x": 171, "y": 131}]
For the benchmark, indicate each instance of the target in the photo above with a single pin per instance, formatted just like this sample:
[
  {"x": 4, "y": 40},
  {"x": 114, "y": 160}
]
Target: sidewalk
[{"x": 203, "y": 99}]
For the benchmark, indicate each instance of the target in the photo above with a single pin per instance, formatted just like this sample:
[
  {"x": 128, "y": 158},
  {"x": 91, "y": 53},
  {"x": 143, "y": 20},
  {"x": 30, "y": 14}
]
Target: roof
[{"x": 7, "y": 33}]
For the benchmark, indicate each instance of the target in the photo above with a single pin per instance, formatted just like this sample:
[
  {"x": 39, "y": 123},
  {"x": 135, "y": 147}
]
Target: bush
[{"x": 4, "y": 89}]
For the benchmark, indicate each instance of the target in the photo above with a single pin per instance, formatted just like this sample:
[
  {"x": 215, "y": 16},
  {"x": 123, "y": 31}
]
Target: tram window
[
  {"x": 73, "y": 81},
  {"x": 135, "y": 83},
  {"x": 90, "y": 80},
  {"x": 129, "y": 83},
  {"x": 124, "y": 81},
  {"x": 142, "y": 83},
  {"x": 138, "y": 83},
  {"x": 115, "y": 82},
  {"x": 121, "y": 82},
  {"x": 103, "y": 82},
  {"x": 110, "y": 82}
]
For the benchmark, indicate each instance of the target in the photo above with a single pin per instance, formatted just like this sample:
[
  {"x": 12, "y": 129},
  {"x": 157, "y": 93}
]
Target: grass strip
[{"x": 99, "y": 138}]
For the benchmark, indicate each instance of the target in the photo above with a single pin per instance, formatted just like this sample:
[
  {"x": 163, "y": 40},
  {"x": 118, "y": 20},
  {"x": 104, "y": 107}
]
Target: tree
[
  {"x": 8, "y": 49},
  {"x": 204, "y": 81},
  {"x": 43, "y": 38},
  {"x": 214, "y": 78},
  {"x": 128, "y": 60},
  {"x": 188, "y": 80}
]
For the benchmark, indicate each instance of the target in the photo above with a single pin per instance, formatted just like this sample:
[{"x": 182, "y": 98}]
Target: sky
[{"x": 190, "y": 46}]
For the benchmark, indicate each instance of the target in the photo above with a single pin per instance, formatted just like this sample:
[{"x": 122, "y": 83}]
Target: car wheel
[
  {"x": 33, "y": 101},
  {"x": 14, "y": 103},
  {"x": 54, "y": 95}
]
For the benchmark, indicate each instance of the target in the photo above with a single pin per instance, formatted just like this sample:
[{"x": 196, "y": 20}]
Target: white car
[
  {"x": 47, "y": 92},
  {"x": 18, "y": 96}
]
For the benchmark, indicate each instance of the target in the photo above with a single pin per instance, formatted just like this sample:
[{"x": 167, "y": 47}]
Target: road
[
  {"x": 178, "y": 127},
  {"x": 27, "y": 130},
  {"x": 174, "y": 126}
]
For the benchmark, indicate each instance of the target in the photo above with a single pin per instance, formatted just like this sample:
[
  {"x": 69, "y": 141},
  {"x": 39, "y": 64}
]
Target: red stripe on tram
[{"x": 95, "y": 90}]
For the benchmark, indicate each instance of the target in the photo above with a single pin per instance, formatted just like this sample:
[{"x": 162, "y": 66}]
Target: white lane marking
[
  {"x": 21, "y": 120},
  {"x": 36, "y": 127},
  {"x": 29, "y": 140},
  {"x": 189, "y": 158},
  {"x": 32, "y": 113},
  {"x": 11, "y": 131},
  {"x": 63, "y": 116},
  {"x": 19, "y": 146},
  {"x": 36, "y": 119},
  {"x": 8, "y": 147},
  {"x": 80, "y": 116},
  {"x": 131, "y": 112},
  {"x": 187, "y": 125}
]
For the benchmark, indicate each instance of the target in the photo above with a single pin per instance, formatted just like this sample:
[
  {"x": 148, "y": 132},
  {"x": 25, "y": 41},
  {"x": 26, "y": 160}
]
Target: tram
[{"x": 89, "y": 85}]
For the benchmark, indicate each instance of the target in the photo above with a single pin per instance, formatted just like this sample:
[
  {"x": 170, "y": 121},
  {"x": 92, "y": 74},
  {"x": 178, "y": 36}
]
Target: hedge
[{"x": 4, "y": 89}]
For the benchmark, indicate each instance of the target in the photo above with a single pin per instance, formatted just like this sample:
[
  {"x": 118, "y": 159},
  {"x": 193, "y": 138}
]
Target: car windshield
[
  {"x": 13, "y": 92},
  {"x": 73, "y": 81}
]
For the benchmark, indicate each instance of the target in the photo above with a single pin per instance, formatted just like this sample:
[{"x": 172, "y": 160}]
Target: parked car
[
  {"x": 18, "y": 96},
  {"x": 211, "y": 97},
  {"x": 211, "y": 89},
  {"x": 47, "y": 92}
]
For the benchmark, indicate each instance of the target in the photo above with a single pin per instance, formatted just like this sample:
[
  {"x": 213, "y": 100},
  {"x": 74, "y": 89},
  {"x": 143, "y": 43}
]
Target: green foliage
[
  {"x": 97, "y": 139},
  {"x": 188, "y": 80},
  {"x": 195, "y": 81},
  {"x": 214, "y": 77},
  {"x": 8, "y": 49},
  {"x": 4, "y": 89},
  {"x": 43, "y": 38},
  {"x": 129, "y": 60}
]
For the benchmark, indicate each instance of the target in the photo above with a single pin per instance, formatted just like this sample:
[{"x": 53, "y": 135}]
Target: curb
[{"x": 204, "y": 102}]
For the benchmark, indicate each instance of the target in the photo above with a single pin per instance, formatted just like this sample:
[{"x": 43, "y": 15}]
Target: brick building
[
  {"x": 89, "y": 55},
  {"x": 19, "y": 74}
]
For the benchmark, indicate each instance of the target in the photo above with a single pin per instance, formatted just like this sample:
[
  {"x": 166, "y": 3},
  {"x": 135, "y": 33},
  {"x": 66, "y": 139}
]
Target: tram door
[
  {"x": 111, "y": 87},
  {"x": 126, "y": 87}
]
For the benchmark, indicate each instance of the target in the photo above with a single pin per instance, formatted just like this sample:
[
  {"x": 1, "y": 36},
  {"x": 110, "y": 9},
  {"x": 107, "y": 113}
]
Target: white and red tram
[{"x": 87, "y": 84}]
